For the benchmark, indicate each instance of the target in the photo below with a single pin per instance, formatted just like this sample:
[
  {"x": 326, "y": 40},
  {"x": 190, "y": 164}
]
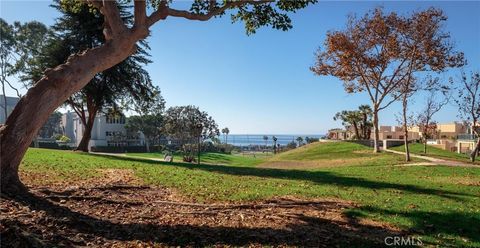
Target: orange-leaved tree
[{"x": 380, "y": 52}]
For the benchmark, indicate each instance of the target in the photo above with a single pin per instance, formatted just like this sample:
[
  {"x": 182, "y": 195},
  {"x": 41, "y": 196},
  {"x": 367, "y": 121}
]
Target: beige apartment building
[
  {"x": 385, "y": 133},
  {"x": 455, "y": 136},
  {"x": 451, "y": 130},
  {"x": 395, "y": 132}
]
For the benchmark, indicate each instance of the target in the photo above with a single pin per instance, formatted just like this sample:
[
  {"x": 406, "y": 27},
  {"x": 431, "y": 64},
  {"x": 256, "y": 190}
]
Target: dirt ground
[{"x": 116, "y": 210}]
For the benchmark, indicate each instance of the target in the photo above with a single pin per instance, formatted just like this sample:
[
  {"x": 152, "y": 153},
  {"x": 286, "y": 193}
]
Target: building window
[
  {"x": 115, "y": 119},
  {"x": 401, "y": 137},
  {"x": 389, "y": 136}
]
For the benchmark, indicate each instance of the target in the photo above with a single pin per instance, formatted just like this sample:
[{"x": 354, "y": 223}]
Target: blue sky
[{"x": 262, "y": 83}]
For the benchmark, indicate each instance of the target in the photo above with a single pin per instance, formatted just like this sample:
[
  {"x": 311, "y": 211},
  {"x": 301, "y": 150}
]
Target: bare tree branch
[
  {"x": 112, "y": 15},
  {"x": 165, "y": 11},
  {"x": 140, "y": 13},
  {"x": 13, "y": 88}
]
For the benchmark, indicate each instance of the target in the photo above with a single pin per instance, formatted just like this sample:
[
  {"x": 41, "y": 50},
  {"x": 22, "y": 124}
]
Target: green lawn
[
  {"x": 212, "y": 158},
  {"x": 340, "y": 153},
  {"x": 439, "y": 203},
  {"x": 435, "y": 153}
]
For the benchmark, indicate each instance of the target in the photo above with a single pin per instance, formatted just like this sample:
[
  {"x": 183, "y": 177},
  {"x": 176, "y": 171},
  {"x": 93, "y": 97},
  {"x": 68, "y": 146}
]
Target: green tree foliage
[
  {"x": 291, "y": 145},
  {"x": 149, "y": 119},
  {"x": 349, "y": 119},
  {"x": 226, "y": 131},
  {"x": 18, "y": 44},
  {"x": 188, "y": 124},
  {"x": 311, "y": 140},
  {"x": 64, "y": 138},
  {"x": 360, "y": 120},
  {"x": 82, "y": 29},
  {"x": 366, "y": 125},
  {"x": 299, "y": 140},
  {"x": 121, "y": 41},
  {"x": 52, "y": 126}
]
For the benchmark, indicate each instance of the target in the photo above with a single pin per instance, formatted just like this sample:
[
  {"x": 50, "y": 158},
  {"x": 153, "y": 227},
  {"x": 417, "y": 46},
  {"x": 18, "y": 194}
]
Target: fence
[{"x": 467, "y": 137}]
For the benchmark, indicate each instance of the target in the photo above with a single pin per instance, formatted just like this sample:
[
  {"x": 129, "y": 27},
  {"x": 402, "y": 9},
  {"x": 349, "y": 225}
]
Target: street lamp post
[{"x": 199, "y": 130}]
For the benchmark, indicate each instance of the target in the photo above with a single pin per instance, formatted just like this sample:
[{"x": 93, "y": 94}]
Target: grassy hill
[
  {"x": 333, "y": 154},
  {"x": 438, "y": 203},
  {"x": 435, "y": 153}
]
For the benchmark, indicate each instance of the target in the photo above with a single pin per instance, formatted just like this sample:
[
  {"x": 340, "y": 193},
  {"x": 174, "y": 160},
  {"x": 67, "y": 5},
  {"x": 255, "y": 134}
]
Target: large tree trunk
[
  {"x": 475, "y": 151},
  {"x": 405, "y": 128},
  {"x": 376, "y": 131},
  {"x": 147, "y": 144},
  {"x": 88, "y": 123},
  {"x": 355, "y": 127},
  {"x": 365, "y": 128},
  {"x": 87, "y": 134},
  {"x": 33, "y": 109},
  {"x": 425, "y": 146},
  {"x": 407, "y": 148}
]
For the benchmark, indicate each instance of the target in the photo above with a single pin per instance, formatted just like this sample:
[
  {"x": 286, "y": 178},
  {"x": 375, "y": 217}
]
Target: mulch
[{"x": 115, "y": 214}]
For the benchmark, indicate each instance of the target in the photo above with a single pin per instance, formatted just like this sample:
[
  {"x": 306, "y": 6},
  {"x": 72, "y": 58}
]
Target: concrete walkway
[{"x": 434, "y": 161}]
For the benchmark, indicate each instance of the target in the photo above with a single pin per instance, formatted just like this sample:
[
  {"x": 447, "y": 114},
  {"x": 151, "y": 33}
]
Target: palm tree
[
  {"x": 366, "y": 126},
  {"x": 349, "y": 119},
  {"x": 299, "y": 140},
  {"x": 226, "y": 131}
]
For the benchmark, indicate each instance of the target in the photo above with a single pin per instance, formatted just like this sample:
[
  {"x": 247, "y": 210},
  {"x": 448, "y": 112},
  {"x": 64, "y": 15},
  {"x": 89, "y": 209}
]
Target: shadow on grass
[
  {"x": 319, "y": 177},
  {"x": 433, "y": 224},
  {"x": 63, "y": 227}
]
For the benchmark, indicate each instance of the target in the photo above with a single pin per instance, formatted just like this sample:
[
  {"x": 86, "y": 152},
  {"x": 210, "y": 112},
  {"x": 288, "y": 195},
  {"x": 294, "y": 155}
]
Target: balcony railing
[{"x": 467, "y": 137}]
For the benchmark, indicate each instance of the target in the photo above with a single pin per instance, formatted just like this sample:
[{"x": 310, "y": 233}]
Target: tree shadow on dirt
[
  {"x": 56, "y": 225},
  {"x": 319, "y": 177}
]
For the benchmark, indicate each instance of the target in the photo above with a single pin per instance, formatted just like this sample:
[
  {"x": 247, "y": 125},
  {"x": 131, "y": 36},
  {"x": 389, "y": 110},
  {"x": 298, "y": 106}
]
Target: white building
[
  {"x": 106, "y": 131},
  {"x": 11, "y": 102}
]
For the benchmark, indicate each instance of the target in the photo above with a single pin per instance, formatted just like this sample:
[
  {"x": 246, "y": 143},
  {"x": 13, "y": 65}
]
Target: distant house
[
  {"x": 451, "y": 130},
  {"x": 385, "y": 133},
  {"x": 11, "y": 102},
  {"x": 338, "y": 134},
  {"x": 454, "y": 136},
  {"x": 106, "y": 131},
  {"x": 395, "y": 133}
]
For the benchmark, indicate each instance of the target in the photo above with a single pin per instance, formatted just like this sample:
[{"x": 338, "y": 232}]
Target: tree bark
[
  {"x": 355, "y": 127},
  {"x": 475, "y": 151},
  {"x": 405, "y": 127},
  {"x": 87, "y": 134},
  {"x": 88, "y": 123},
  {"x": 407, "y": 148},
  {"x": 33, "y": 109},
  {"x": 365, "y": 130},
  {"x": 376, "y": 131},
  {"x": 147, "y": 145}
]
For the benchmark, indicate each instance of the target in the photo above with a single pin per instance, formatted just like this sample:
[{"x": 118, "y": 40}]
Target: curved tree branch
[
  {"x": 140, "y": 13},
  {"x": 164, "y": 11}
]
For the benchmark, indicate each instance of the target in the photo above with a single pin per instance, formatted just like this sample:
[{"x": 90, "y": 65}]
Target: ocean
[{"x": 257, "y": 139}]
